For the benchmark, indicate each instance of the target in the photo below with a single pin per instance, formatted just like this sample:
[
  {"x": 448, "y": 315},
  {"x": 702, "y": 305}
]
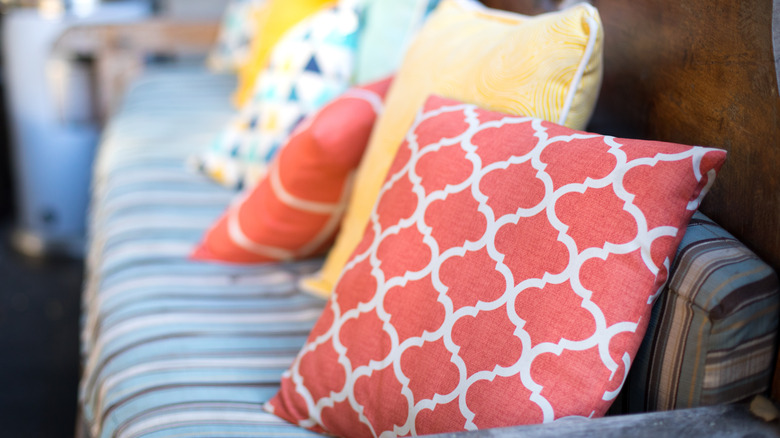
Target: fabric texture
[
  {"x": 295, "y": 210},
  {"x": 390, "y": 26},
  {"x": 282, "y": 15},
  {"x": 506, "y": 277},
  {"x": 172, "y": 347},
  {"x": 310, "y": 65},
  {"x": 238, "y": 28},
  {"x": 700, "y": 349},
  {"x": 548, "y": 66}
]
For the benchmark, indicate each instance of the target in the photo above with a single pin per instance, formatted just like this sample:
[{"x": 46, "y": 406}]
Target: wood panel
[
  {"x": 119, "y": 50},
  {"x": 698, "y": 72}
]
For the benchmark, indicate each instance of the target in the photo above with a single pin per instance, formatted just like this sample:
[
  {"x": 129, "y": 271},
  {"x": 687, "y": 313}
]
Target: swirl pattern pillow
[
  {"x": 547, "y": 66},
  {"x": 311, "y": 65},
  {"x": 506, "y": 277},
  {"x": 296, "y": 208}
]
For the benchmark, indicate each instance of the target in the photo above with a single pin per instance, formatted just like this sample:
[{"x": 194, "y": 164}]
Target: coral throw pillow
[
  {"x": 547, "y": 66},
  {"x": 280, "y": 17},
  {"x": 311, "y": 65},
  {"x": 506, "y": 277},
  {"x": 295, "y": 210}
]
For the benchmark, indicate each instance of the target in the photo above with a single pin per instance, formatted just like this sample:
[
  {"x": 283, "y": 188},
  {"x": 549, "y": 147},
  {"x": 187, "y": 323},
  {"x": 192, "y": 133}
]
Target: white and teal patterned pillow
[
  {"x": 239, "y": 25},
  {"x": 310, "y": 65}
]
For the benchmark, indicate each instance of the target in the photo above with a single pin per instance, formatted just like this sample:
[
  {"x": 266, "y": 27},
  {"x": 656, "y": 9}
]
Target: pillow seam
[{"x": 586, "y": 58}]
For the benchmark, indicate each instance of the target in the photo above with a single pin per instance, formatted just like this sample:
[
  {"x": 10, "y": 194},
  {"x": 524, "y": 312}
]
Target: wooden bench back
[{"x": 698, "y": 72}]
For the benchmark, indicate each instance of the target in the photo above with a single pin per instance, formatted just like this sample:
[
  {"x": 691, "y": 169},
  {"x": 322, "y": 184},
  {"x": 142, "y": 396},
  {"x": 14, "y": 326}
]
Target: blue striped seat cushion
[
  {"x": 713, "y": 332},
  {"x": 174, "y": 347}
]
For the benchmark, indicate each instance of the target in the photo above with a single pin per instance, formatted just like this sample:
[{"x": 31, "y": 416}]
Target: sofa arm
[{"x": 119, "y": 50}]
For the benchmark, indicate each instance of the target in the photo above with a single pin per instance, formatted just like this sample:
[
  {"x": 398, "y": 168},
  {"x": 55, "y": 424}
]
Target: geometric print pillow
[
  {"x": 295, "y": 210},
  {"x": 238, "y": 27},
  {"x": 281, "y": 16},
  {"x": 309, "y": 66},
  {"x": 506, "y": 277}
]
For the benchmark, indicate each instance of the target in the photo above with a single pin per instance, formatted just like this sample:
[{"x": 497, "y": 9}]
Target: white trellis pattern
[{"x": 506, "y": 277}]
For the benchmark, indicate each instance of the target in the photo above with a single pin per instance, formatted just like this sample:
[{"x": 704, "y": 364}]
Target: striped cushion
[
  {"x": 172, "y": 347},
  {"x": 712, "y": 334}
]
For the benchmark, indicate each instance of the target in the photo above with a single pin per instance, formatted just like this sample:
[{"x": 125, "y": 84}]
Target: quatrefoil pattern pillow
[{"x": 506, "y": 277}]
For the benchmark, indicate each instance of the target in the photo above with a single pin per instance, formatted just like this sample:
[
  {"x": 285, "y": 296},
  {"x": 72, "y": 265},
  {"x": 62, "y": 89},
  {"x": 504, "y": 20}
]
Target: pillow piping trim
[
  {"x": 473, "y": 5},
  {"x": 574, "y": 86},
  {"x": 586, "y": 58}
]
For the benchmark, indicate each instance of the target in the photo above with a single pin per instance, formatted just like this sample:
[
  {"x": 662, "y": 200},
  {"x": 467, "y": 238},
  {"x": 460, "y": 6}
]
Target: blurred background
[{"x": 50, "y": 121}]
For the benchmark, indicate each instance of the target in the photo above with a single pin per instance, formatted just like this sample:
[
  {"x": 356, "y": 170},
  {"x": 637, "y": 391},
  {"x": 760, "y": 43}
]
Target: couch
[{"x": 176, "y": 347}]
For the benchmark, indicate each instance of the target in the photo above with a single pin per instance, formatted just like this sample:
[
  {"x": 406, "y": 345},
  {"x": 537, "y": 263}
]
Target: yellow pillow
[
  {"x": 278, "y": 17},
  {"x": 547, "y": 66}
]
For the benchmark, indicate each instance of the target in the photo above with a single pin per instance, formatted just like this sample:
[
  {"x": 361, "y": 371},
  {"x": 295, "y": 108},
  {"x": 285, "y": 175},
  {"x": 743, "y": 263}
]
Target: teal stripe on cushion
[
  {"x": 210, "y": 420},
  {"x": 712, "y": 335},
  {"x": 174, "y": 347}
]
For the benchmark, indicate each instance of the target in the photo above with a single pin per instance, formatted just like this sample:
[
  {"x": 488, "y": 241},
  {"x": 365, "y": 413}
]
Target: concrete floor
[{"x": 39, "y": 359}]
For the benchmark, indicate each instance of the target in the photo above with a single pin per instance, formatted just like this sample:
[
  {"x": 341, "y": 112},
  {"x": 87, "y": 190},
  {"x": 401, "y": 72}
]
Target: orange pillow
[
  {"x": 296, "y": 208},
  {"x": 281, "y": 15}
]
